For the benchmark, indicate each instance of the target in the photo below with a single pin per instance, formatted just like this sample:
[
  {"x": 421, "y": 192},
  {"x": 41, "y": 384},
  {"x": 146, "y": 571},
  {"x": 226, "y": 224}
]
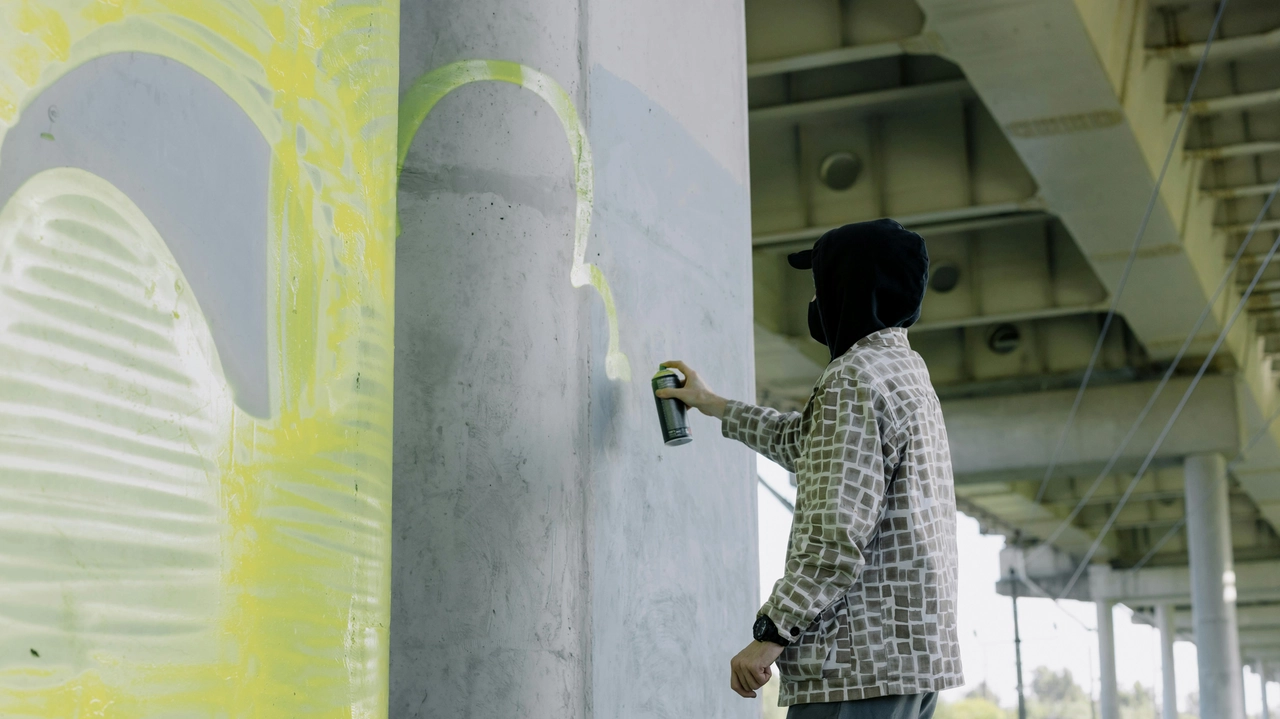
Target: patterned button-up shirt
[{"x": 868, "y": 599}]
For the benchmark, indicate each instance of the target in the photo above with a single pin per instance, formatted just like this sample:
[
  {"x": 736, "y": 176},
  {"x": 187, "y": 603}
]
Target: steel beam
[
  {"x": 1243, "y": 101},
  {"x": 863, "y": 103},
  {"x": 1249, "y": 617},
  {"x": 839, "y": 56},
  {"x": 1228, "y": 193},
  {"x": 1240, "y": 149},
  {"x": 1255, "y": 582},
  {"x": 938, "y": 222},
  {"x": 1226, "y": 49},
  {"x": 995, "y": 438},
  {"x": 1244, "y": 227},
  {"x": 1043, "y": 313}
]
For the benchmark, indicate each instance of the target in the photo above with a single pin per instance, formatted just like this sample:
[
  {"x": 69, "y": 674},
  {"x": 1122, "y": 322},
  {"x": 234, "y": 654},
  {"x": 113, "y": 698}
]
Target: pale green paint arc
[{"x": 429, "y": 89}]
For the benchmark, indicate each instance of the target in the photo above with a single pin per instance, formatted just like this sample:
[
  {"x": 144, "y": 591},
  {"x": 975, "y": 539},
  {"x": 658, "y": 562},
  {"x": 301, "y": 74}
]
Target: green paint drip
[{"x": 434, "y": 85}]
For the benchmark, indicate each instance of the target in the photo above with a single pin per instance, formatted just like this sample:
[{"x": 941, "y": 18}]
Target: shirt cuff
[
  {"x": 731, "y": 424},
  {"x": 787, "y": 624}
]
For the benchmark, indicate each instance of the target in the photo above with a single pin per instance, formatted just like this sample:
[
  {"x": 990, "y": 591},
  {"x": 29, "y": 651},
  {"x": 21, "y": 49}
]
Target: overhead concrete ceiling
[{"x": 1023, "y": 139}]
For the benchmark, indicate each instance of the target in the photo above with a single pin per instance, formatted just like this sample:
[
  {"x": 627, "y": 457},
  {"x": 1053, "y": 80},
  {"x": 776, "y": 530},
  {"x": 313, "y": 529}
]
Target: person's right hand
[{"x": 694, "y": 393}]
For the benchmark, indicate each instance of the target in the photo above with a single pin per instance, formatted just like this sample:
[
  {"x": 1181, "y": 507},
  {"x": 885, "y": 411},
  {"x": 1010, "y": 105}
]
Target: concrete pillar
[
  {"x": 1262, "y": 676},
  {"x": 551, "y": 557},
  {"x": 1165, "y": 621},
  {"x": 1108, "y": 698},
  {"x": 1213, "y": 590}
]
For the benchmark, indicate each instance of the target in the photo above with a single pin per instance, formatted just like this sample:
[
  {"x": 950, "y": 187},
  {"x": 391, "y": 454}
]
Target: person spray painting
[{"x": 863, "y": 622}]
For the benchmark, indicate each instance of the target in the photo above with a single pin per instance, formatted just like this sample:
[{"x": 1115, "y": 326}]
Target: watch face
[{"x": 761, "y": 626}]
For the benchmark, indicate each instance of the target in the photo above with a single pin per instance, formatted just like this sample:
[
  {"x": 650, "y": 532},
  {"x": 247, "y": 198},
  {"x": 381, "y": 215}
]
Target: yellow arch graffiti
[
  {"x": 303, "y": 507},
  {"x": 434, "y": 85}
]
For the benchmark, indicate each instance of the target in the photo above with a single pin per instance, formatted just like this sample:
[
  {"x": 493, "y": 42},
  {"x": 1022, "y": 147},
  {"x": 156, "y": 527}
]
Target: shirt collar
[{"x": 889, "y": 336}]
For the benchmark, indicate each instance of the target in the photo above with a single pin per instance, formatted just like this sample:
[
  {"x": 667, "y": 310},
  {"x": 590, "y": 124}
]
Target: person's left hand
[{"x": 750, "y": 669}]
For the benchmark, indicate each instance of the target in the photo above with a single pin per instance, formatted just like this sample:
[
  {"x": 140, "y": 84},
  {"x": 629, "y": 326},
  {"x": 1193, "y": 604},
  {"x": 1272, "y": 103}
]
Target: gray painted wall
[
  {"x": 192, "y": 161},
  {"x": 551, "y": 557}
]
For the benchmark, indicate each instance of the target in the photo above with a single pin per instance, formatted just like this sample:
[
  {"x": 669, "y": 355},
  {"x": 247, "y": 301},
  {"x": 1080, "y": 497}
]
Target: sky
[{"x": 1053, "y": 636}]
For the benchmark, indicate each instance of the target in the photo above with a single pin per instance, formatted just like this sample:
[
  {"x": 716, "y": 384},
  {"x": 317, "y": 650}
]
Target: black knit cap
[{"x": 868, "y": 276}]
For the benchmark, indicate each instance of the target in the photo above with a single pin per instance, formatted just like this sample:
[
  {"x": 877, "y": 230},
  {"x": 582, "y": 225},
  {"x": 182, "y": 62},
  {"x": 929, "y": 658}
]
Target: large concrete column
[
  {"x": 1166, "y": 622},
  {"x": 1108, "y": 697},
  {"x": 1213, "y": 588},
  {"x": 552, "y": 558}
]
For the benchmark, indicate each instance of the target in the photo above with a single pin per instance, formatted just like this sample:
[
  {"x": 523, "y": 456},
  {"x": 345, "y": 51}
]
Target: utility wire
[
  {"x": 790, "y": 507},
  {"x": 1133, "y": 255},
  {"x": 1158, "y": 545},
  {"x": 1155, "y": 395},
  {"x": 1262, "y": 431},
  {"x": 1266, "y": 261}
]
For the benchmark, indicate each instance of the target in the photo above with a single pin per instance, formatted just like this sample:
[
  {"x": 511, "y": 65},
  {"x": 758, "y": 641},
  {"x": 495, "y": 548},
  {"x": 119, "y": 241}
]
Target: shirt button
[{"x": 795, "y": 631}]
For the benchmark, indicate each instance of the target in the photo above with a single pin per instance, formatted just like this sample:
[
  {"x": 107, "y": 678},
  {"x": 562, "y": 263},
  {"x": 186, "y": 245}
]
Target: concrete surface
[
  {"x": 551, "y": 557},
  {"x": 1213, "y": 587},
  {"x": 184, "y": 152},
  {"x": 1017, "y": 434}
]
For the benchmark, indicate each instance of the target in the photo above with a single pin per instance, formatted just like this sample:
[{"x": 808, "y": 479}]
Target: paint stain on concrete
[{"x": 429, "y": 89}]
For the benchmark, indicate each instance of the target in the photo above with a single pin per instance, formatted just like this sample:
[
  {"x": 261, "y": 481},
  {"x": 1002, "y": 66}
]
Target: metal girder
[
  {"x": 1115, "y": 496},
  {"x": 841, "y": 56},
  {"x": 1021, "y": 515},
  {"x": 1259, "y": 639},
  {"x": 862, "y": 103},
  {"x": 1154, "y": 486},
  {"x": 1269, "y": 655},
  {"x": 1041, "y": 571},
  {"x": 1254, "y": 582},
  {"x": 995, "y": 437},
  {"x": 1228, "y": 193},
  {"x": 1243, "y": 101},
  {"x": 1043, "y": 313},
  {"x": 1223, "y": 49},
  {"x": 960, "y": 219},
  {"x": 1248, "y": 616},
  {"x": 1240, "y": 149},
  {"x": 1244, "y": 227}
]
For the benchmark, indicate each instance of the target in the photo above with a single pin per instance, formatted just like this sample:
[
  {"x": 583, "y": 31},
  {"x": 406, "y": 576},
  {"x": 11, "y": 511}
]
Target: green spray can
[{"x": 671, "y": 412}]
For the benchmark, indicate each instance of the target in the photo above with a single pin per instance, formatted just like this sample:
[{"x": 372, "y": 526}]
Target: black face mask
[
  {"x": 815, "y": 323},
  {"x": 867, "y": 277}
]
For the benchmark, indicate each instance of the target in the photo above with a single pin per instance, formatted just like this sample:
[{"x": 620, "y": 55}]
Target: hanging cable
[
  {"x": 1204, "y": 366},
  {"x": 1262, "y": 431},
  {"x": 1155, "y": 395},
  {"x": 1158, "y": 545},
  {"x": 1133, "y": 255},
  {"x": 777, "y": 495}
]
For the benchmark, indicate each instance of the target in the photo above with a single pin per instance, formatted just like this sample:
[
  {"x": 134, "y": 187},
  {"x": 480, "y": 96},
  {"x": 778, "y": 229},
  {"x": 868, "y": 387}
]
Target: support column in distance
[
  {"x": 1107, "y": 696},
  {"x": 1262, "y": 674},
  {"x": 1213, "y": 587},
  {"x": 1165, "y": 622}
]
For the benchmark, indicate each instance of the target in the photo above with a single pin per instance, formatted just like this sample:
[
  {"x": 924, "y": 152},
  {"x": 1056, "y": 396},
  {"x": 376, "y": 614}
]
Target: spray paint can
[{"x": 671, "y": 412}]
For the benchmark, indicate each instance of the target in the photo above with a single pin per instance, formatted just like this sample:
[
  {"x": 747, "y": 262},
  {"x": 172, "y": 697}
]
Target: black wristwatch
[{"x": 766, "y": 631}]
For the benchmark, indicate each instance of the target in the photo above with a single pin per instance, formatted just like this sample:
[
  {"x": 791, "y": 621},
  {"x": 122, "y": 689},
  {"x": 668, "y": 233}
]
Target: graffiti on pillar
[
  {"x": 196, "y": 287},
  {"x": 430, "y": 88}
]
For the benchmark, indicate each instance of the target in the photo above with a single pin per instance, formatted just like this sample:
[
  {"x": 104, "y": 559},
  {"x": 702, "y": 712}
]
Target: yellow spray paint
[
  {"x": 257, "y": 551},
  {"x": 434, "y": 85}
]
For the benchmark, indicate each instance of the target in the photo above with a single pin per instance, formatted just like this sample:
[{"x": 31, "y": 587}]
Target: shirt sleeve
[
  {"x": 772, "y": 433},
  {"x": 837, "y": 512}
]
